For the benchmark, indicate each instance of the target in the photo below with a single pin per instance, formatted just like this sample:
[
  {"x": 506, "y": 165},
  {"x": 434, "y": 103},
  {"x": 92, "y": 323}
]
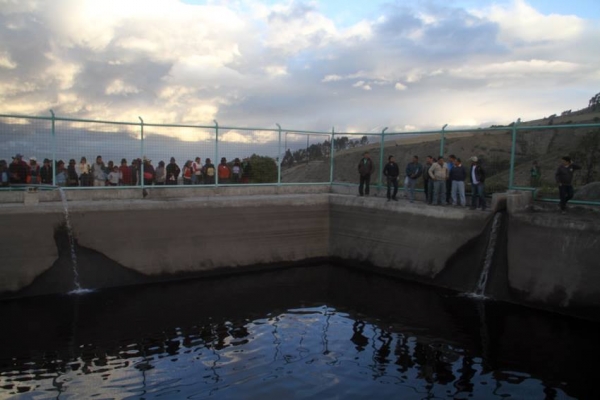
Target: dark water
[{"x": 313, "y": 332}]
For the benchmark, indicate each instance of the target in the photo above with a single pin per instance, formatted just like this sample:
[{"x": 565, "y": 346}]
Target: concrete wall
[
  {"x": 550, "y": 260},
  {"x": 554, "y": 261}
]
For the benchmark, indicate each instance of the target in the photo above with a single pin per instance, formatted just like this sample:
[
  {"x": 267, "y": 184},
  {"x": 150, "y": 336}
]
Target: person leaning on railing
[{"x": 46, "y": 172}]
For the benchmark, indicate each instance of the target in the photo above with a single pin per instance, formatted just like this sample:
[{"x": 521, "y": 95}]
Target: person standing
[
  {"x": 439, "y": 174},
  {"x": 173, "y": 172},
  {"x": 72, "y": 177},
  {"x": 161, "y": 173},
  {"x": 535, "y": 174},
  {"x": 391, "y": 172},
  {"x": 236, "y": 171},
  {"x": 365, "y": 169},
  {"x": 84, "y": 173},
  {"x": 427, "y": 181},
  {"x": 477, "y": 175},
  {"x": 224, "y": 173},
  {"x": 458, "y": 176},
  {"x": 18, "y": 169},
  {"x": 208, "y": 171},
  {"x": 449, "y": 165},
  {"x": 197, "y": 171},
  {"x": 4, "y": 174},
  {"x": 46, "y": 172},
  {"x": 34, "y": 171},
  {"x": 564, "y": 179},
  {"x": 414, "y": 170},
  {"x": 98, "y": 172}
]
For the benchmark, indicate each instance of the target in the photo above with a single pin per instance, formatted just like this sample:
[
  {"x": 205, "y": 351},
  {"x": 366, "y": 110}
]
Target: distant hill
[{"x": 493, "y": 147}]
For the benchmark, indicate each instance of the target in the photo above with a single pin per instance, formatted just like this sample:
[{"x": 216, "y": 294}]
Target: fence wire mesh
[{"x": 137, "y": 153}]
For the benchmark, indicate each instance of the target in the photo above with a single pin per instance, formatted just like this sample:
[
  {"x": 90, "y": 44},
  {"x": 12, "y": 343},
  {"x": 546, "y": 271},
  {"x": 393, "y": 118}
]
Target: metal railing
[{"x": 333, "y": 156}]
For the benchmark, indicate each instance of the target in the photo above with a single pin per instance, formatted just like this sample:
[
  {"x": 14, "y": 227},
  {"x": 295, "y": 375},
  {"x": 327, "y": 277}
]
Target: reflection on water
[{"x": 312, "y": 332}]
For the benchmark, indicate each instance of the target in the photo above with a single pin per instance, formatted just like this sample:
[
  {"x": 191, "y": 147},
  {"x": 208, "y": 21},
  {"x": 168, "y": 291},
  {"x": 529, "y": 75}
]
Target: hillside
[{"x": 546, "y": 146}]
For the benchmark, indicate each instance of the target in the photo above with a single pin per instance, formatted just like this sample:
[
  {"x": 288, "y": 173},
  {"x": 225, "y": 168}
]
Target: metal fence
[{"x": 518, "y": 156}]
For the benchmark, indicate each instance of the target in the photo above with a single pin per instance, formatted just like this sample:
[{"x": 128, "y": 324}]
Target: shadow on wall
[{"x": 94, "y": 270}]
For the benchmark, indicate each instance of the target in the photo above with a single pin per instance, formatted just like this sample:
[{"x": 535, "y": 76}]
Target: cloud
[
  {"x": 521, "y": 23},
  {"x": 252, "y": 63}
]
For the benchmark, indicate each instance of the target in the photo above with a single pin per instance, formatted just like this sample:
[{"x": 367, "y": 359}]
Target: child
[{"x": 114, "y": 177}]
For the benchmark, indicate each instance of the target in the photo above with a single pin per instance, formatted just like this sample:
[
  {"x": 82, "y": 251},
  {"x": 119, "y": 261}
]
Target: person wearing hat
[
  {"x": 236, "y": 171},
  {"x": 148, "y": 172},
  {"x": 173, "y": 172},
  {"x": 72, "y": 178},
  {"x": 477, "y": 176},
  {"x": 46, "y": 172},
  {"x": 33, "y": 172},
  {"x": 18, "y": 170},
  {"x": 223, "y": 171},
  {"x": 365, "y": 169}
]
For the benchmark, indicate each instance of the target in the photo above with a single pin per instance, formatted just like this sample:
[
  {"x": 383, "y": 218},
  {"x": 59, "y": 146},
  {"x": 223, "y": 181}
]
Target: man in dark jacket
[
  {"x": 414, "y": 170},
  {"x": 458, "y": 175},
  {"x": 18, "y": 170},
  {"x": 391, "y": 171},
  {"x": 564, "y": 179},
  {"x": 477, "y": 176},
  {"x": 427, "y": 182},
  {"x": 173, "y": 172},
  {"x": 365, "y": 169}
]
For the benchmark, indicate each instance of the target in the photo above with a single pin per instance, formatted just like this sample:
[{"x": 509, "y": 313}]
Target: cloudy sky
[{"x": 354, "y": 65}]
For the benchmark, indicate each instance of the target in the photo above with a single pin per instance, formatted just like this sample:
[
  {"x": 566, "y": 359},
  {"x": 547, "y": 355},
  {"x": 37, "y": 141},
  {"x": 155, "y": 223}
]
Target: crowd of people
[
  {"x": 139, "y": 170},
  {"x": 444, "y": 181}
]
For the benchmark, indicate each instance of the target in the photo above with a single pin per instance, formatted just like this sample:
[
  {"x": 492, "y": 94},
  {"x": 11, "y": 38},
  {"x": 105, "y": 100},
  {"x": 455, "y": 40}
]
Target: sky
[{"x": 355, "y": 66}]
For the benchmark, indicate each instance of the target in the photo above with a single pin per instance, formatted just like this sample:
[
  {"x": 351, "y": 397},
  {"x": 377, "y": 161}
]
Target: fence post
[
  {"x": 279, "y": 157},
  {"x": 381, "y": 147},
  {"x": 216, "y": 152},
  {"x": 331, "y": 163},
  {"x": 53, "y": 149},
  {"x": 511, "y": 178},
  {"x": 443, "y": 140},
  {"x": 142, "y": 150}
]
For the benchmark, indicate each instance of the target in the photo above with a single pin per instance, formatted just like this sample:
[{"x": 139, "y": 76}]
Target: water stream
[
  {"x": 78, "y": 289},
  {"x": 489, "y": 256}
]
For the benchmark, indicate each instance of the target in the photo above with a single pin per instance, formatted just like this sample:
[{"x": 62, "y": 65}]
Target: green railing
[{"x": 318, "y": 157}]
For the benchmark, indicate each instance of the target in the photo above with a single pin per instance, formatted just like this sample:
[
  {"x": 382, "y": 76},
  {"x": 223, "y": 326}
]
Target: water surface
[{"x": 320, "y": 332}]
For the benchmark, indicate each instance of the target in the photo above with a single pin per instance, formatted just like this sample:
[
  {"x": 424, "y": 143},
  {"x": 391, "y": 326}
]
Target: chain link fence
[{"x": 518, "y": 155}]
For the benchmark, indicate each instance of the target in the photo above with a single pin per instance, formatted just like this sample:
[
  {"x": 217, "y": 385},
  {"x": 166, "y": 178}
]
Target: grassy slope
[{"x": 546, "y": 146}]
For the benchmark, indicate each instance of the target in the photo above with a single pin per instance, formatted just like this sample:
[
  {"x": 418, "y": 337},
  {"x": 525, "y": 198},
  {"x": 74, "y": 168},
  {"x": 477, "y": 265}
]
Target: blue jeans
[
  {"x": 439, "y": 192},
  {"x": 458, "y": 193},
  {"x": 478, "y": 194},
  {"x": 412, "y": 183}
]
